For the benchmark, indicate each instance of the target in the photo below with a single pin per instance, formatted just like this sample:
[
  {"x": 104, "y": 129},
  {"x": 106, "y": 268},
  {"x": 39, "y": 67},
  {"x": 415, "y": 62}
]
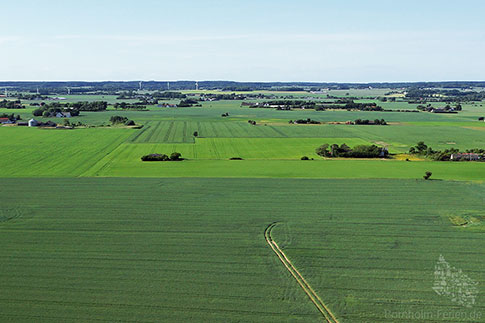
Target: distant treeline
[
  {"x": 75, "y": 87},
  {"x": 440, "y": 95},
  {"x": 4, "y": 104},
  {"x": 317, "y": 105},
  {"x": 130, "y": 106}
]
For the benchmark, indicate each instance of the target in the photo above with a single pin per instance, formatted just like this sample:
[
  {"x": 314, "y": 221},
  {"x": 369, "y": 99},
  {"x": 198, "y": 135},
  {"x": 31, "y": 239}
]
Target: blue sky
[{"x": 328, "y": 41}]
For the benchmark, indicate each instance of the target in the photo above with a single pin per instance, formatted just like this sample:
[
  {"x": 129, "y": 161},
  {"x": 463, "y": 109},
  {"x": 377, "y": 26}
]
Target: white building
[{"x": 33, "y": 123}]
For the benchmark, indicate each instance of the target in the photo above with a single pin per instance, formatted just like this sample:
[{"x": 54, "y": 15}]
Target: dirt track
[{"x": 316, "y": 300}]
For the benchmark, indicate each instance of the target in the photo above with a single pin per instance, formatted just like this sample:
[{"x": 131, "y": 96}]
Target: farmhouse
[
  {"x": 467, "y": 156},
  {"x": 6, "y": 121},
  {"x": 33, "y": 123},
  {"x": 63, "y": 114},
  {"x": 167, "y": 105}
]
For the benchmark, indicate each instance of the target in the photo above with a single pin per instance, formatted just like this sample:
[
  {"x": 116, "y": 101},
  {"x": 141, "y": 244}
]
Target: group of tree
[
  {"x": 218, "y": 97},
  {"x": 344, "y": 151},
  {"x": 11, "y": 117},
  {"x": 49, "y": 111},
  {"x": 187, "y": 103},
  {"x": 446, "y": 109},
  {"x": 31, "y": 97},
  {"x": 421, "y": 149},
  {"x": 443, "y": 95},
  {"x": 89, "y": 106},
  {"x": 304, "y": 121},
  {"x": 130, "y": 106},
  {"x": 252, "y": 122},
  {"x": 73, "y": 108},
  {"x": 116, "y": 120},
  {"x": 163, "y": 157},
  {"x": 225, "y": 114},
  {"x": 376, "y": 122},
  {"x": 168, "y": 95},
  {"x": 8, "y": 104}
]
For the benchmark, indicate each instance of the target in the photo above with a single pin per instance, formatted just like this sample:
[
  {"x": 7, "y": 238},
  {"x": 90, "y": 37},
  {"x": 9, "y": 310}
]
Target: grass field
[
  {"x": 89, "y": 232},
  {"x": 193, "y": 249}
]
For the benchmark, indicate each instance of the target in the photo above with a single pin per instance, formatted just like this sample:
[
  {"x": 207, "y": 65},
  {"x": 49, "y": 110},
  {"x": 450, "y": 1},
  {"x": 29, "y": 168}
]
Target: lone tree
[
  {"x": 427, "y": 175},
  {"x": 196, "y": 133}
]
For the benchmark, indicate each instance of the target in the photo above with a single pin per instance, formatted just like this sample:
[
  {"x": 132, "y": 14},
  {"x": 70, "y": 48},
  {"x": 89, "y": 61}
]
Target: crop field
[
  {"x": 182, "y": 131},
  {"x": 40, "y": 152},
  {"x": 193, "y": 249},
  {"x": 89, "y": 232}
]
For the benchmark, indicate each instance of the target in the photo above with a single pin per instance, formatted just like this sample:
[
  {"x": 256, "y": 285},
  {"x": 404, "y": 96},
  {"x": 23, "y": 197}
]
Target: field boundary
[{"x": 316, "y": 300}]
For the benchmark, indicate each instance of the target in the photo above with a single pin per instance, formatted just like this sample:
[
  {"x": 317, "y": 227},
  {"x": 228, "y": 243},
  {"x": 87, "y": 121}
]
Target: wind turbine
[
  {"x": 140, "y": 85},
  {"x": 196, "y": 85},
  {"x": 168, "y": 86}
]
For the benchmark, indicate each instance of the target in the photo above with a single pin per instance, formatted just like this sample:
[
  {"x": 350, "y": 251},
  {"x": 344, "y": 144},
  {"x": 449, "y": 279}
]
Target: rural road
[{"x": 316, "y": 300}]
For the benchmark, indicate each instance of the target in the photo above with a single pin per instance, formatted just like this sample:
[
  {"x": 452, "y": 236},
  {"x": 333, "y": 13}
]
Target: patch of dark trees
[
  {"x": 442, "y": 95},
  {"x": 445, "y": 109},
  {"x": 6, "y": 104},
  {"x": 304, "y": 121},
  {"x": 375, "y": 122},
  {"x": 344, "y": 151},
  {"x": 163, "y": 157},
  {"x": 50, "y": 111},
  {"x": 188, "y": 103},
  {"x": 116, "y": 120},
  {"x": 47, "y": 124},
  {"x": 137, "y": 106},
  {"x": 31, "y": 97},
  {"x": 225, "y": 114},
  {"x": 252, "y": 122},
  {"x": 349, "y": 105},
  {"x": 169, "y": 95},
  {"x": 11, "y": 117}
]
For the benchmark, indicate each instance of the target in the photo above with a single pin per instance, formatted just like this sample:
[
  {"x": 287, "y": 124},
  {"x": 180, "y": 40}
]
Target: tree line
[{"x": 344, "y": 151}]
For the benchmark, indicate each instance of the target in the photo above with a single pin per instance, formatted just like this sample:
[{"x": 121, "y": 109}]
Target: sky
[{"x": 265, "y": 40}]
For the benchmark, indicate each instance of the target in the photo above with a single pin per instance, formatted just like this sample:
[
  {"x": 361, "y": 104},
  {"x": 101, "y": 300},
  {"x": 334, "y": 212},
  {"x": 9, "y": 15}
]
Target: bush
[
  {"x": 155, "y": 157},
  {"x": 162, "y": 157},
  {"x": 427, "y": 175},
  {"x": 175, "y": 156},
  {"x": 305, "y": 158},
  {"x": 118, "y": 119},
  {"x": 129, "y": 123},
  {"x": 235, "y": 158},
  {"x": 37, "y": 112}
]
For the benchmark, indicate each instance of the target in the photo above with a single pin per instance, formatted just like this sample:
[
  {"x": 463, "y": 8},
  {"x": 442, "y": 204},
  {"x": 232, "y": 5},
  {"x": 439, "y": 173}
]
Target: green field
[
  {"x": 193, "y": 249},
  {"x": 92, "y": 233}
]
